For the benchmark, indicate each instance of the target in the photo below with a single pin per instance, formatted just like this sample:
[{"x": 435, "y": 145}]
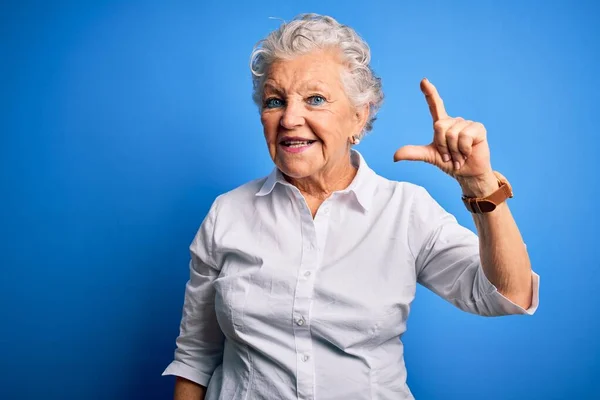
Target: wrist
[{"x": 478, "y": 186}]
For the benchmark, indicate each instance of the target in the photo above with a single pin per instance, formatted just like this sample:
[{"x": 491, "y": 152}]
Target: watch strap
[{"x": 481, "y": 205}]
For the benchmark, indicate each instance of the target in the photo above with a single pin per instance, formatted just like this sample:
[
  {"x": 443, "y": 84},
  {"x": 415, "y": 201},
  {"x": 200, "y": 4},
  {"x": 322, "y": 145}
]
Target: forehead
[{"x": 316, "y": 69}]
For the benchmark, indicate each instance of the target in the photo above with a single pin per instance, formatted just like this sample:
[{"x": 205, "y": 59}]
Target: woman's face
[{"x": 306, "y": 115}]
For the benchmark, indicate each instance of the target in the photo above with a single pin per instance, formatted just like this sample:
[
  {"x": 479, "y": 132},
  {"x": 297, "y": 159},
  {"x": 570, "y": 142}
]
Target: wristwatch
[{"x": 482, "y": 205}]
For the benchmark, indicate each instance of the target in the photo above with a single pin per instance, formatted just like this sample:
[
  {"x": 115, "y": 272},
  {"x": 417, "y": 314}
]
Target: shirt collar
[{"x": 362, "y": 186}]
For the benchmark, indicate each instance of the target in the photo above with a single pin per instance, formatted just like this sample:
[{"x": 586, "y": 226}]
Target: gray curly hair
[{"x": 308, "y": 32}]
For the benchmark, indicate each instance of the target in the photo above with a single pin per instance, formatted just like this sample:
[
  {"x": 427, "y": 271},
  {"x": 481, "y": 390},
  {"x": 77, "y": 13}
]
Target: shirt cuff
[
  {"x": 502, "y": 305},
  {"x": 177, "y": 368}
]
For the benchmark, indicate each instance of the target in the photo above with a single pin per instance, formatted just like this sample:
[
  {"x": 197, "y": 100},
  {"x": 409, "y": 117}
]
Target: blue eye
[
  {"x": 316, "y": 100},
  {"x": 273, "y": 103}
]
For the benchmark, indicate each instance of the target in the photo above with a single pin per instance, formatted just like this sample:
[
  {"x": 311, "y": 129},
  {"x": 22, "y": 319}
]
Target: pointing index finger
[{"x": 434, "y": 101}]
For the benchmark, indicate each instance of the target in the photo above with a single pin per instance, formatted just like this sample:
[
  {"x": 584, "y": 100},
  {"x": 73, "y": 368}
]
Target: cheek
[
  {"x": 270, "y": 125},
  {"x": 323, "y": 125},
  {"x": 348, "y": 119},
  {"x": 330, "y": 130}
]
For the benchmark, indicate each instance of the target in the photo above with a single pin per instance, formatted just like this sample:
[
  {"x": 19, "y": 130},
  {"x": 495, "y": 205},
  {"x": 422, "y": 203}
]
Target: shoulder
[
  {"x": 398, "y": 190},
  {"x": 414, "y": 207},
  {"x": 407, "y": 199},
  {"x": 224, "y": 212},
  {"x": 239, "y": 200}
]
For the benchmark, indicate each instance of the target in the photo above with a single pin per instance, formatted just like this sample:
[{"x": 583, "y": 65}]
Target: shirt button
[
  {"x": 300, "y": 321},
  {"x": 307, "y": 274},
  {"x": 305, "y": 358},
  {"x": 326, "y": 211}
]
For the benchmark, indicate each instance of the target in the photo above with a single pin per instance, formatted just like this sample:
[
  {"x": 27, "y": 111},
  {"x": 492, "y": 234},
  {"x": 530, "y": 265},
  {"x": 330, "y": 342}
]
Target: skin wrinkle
[{"x": 325, "y": 167}]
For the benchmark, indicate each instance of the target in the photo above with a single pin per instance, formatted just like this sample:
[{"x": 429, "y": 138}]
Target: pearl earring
[{"x": 354, "y": 140}]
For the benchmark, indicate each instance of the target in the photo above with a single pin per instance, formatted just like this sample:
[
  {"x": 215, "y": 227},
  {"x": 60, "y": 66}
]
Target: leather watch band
[{"x": 481, "y": 205}]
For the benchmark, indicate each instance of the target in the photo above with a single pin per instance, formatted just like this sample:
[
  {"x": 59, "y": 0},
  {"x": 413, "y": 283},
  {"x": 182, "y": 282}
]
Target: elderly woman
[{"x": 301, "y": 282}]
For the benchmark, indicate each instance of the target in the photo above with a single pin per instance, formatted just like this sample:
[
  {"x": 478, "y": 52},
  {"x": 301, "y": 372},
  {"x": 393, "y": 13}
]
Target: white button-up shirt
[{"x": 283, "y": 306}]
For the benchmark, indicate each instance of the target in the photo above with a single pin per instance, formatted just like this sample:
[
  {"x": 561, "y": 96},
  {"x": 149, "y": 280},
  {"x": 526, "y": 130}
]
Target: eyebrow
[{"x": 271, "y": 86}]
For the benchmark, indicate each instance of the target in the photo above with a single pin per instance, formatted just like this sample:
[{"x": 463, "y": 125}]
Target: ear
[{"x": 362, "y": 116}]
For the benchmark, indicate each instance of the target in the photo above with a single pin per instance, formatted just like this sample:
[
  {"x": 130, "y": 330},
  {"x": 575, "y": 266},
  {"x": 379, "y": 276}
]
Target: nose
[{"x": 292, "y": 116}]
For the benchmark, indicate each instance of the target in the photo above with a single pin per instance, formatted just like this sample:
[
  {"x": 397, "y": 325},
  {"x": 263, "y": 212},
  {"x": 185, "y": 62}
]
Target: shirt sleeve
[
  {"x": 199, "y": 346},
  {"x": 447, "y": 262}
]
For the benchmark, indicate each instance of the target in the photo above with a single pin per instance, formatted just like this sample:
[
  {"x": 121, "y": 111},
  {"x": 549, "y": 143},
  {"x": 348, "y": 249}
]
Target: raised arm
[{"x": 460, "y": 149}]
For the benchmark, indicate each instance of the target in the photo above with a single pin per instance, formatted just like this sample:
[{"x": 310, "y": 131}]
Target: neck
[{"x": 324, "y": 183}]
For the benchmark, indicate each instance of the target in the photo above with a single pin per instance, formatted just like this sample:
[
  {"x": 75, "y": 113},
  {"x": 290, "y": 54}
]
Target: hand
[{"x": 459, "y": 147}]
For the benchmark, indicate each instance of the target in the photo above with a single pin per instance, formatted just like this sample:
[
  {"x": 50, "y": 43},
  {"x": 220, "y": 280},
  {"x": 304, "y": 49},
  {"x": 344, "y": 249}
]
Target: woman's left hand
[{"x": 459, "y": 147}]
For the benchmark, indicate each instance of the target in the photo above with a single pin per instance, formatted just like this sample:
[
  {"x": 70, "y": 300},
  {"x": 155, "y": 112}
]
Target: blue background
[{"x": 121, "y": 121}]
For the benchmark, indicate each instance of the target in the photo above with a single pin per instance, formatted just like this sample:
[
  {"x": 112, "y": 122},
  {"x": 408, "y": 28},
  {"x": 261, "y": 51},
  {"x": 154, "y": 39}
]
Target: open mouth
[{"x": 296, "y": 143}]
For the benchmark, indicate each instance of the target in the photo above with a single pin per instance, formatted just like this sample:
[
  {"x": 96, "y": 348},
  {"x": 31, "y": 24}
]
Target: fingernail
[
  {"x": 445, "y": 157},
  {"x": 456, "y": 165}
]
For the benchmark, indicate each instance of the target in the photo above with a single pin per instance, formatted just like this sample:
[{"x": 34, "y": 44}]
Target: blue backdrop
[{"x": 121, "y": 121}]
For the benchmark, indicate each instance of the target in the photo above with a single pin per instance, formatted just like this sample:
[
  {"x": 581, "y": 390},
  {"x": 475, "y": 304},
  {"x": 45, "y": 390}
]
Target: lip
[{"x": 295, "y": 150}]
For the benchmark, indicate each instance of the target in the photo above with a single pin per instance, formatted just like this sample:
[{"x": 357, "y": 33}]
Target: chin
[{"x": 296, "y": 169}]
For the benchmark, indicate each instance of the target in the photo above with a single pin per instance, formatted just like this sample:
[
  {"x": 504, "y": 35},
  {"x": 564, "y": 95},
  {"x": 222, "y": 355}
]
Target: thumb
[{"x": 415, "y": 153}]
